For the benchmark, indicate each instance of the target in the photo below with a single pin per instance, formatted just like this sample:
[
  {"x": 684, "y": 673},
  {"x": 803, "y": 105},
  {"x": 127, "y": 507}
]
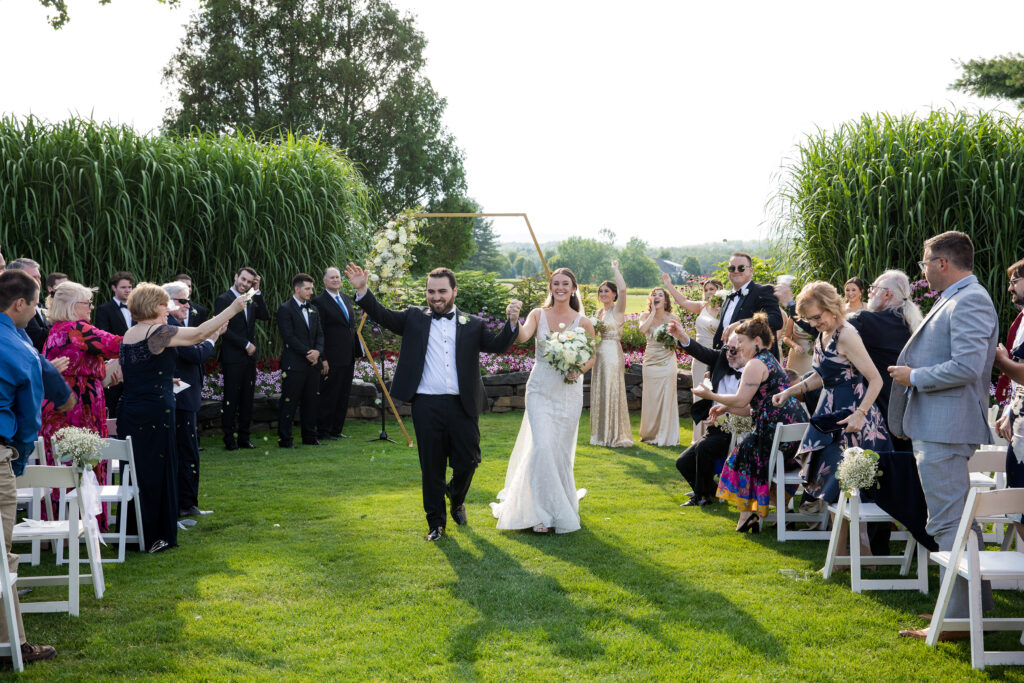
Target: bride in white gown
[{"x": 540, "y": 490}]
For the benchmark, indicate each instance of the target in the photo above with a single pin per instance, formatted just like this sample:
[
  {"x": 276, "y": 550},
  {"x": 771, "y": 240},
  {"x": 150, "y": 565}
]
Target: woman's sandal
[{"x": 540, "y": 529}]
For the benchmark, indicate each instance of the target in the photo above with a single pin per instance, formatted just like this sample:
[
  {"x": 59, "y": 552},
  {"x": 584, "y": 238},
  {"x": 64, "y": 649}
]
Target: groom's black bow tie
[
  {"x": 120, "y": 305},
  {"x": 304, "y": 305},
  {"x": 447, "y": 316}
]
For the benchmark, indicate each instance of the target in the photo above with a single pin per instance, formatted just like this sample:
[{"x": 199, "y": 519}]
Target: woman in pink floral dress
[{"x": 88, "y": 348}]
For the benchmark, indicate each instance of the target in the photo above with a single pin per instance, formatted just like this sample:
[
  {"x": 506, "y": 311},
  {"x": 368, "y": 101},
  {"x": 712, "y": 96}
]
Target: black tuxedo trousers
[{"x": 447, "y": 436}]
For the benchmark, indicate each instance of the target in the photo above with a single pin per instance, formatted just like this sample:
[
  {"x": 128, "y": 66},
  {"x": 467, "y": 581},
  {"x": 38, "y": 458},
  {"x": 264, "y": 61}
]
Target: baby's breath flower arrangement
[
  {"x": 391, "y": 255},
  {"x": 858, "y": 469},
  {"x": 735, "y": 424},
  {"x": 79, "y": 446}
]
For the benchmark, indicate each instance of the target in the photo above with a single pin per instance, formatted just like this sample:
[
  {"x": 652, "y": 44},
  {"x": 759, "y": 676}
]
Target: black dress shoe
[
  {"x": 311, "y": 442},
  {"x": 285, "y": 444},
  {"x": 327, "y": 437},
  {"x": 459, "y": 515},
  {"x": 194, "y": 510},
  {"x": 247, "y": 444},
  {"x": 231, "y": 446},
  {"x": 711, "y": 500},
  {"x": 694, "y": 502},
  {"x": 159, "y": 546},
  {"x": 435, "y": 533}
]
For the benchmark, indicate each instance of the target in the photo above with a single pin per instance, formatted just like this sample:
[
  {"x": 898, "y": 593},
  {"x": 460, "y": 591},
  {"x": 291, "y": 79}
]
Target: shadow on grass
[
  {"x": 676, "y": 601},
  {"x": 510, "y": 598}
]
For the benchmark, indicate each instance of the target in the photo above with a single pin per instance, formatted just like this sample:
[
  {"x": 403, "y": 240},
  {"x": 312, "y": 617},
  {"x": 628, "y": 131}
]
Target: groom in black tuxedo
[
  {"x": 747, "y": 298},
  {"x": 439, "y": 373},
  {"x": 301, "y": 365}
]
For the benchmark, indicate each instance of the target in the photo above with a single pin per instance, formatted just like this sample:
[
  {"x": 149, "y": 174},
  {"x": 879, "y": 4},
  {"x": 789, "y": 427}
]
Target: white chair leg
[
  {"x": 122, "y": 528},
  {"x": 833, "y": 539},
  {"x": 908, "y": 556},
  {"x": 74, "y": 548},
  {"x": 974, "y": 603},
  {"x": 922, "y": 568},
  {"x": 854, "y": 538},
  {"x": 13, "y": 633},
  {"x": 62, "y": 512},
  {"x": 941, "y": 604}
]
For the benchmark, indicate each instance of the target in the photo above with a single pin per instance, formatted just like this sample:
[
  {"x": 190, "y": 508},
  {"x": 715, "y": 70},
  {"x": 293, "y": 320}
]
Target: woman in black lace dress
[{"x": 146, "y": 410}]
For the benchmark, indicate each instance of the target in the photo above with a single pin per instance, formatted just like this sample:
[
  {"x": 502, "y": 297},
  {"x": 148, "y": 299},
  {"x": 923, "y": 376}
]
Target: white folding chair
[
  {"x": 8, "y": 588},
  {"x": 37, "y": 499},
  {"x": 119, "y": 451},
  {"x": 987, "y": 469},
  {"x": 965, "y": 560},
  {"x": 114, "y": 466},
  {"x": 781, "y": 478},
  {"x": 71, "y": 529},
  {"x": 850, "y": 508}
]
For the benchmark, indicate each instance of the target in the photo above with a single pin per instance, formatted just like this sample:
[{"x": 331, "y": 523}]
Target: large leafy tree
[
  {"x": 637, "y": 268},
  {"x": 349, "y": 71},
  {"x": 61, "y": 16},
  {"x": 587, "y": 257},
  {"x": 1001, "y": 77},
  {"x": 485, "y": 256}
]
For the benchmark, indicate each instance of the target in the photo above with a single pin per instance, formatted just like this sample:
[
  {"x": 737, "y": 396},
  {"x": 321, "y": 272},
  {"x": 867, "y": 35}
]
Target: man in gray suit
[{"x": 940, "y": 395}]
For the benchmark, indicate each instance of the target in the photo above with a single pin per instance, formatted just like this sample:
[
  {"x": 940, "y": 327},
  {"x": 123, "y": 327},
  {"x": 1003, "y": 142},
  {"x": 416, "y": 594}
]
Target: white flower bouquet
[
  {"x": 598, "y": 323},
  {"x": 717, "y": 300},
  {"x": 568, "y": 350},
  {"x": 79, "y": 446},
  {"x": 668, "y": 341},
  {"x": 858, "y": 469},
  {"x": 735, "y": 424},
  {"x": 391, "y": 254}
]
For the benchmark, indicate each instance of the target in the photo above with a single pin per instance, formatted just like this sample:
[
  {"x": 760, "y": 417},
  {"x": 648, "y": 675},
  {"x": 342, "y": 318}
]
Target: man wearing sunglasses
[
  {"x": 697, "y": 463},
  {"x": 747, "y": 298}
]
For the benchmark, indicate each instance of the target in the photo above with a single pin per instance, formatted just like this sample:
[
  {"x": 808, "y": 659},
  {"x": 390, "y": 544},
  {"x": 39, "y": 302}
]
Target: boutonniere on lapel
[{"x": 463, "y": 320}]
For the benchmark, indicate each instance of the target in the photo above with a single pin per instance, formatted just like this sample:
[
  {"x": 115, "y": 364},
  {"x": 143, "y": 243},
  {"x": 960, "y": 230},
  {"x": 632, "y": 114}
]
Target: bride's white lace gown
[{"x": 539, "y": 484}]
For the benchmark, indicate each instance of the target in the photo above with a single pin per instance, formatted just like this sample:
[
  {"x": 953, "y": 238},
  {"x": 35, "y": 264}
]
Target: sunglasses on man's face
[
  {"x": 737, "y": 269},
  {"x": 183, "y": 302},
  {"x": 732, "y": 349}
]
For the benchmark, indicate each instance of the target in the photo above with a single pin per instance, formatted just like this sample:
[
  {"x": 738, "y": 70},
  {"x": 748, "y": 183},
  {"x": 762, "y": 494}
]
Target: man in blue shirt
[{"x": 21, "y": 399}]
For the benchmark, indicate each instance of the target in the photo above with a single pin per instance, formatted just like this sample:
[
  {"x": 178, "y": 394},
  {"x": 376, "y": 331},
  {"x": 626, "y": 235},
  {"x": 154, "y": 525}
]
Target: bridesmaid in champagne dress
[
  {"x": 659, "y": 413},
  {"x": 706, "y": 324},
  {"x": 609, "y": 412}
]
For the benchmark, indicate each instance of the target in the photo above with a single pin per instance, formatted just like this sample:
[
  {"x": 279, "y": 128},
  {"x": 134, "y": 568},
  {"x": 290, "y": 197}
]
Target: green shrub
[
  {"x": 865, "y": 197},
  {"x": 88, "y": 199}
]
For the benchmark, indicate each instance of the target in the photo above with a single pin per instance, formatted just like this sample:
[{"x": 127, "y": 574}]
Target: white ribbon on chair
[{"x": 90, "y": 493}]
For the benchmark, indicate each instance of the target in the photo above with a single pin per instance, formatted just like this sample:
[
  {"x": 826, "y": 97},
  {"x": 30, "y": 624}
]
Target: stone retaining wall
[{"x": 505, "y": 392}]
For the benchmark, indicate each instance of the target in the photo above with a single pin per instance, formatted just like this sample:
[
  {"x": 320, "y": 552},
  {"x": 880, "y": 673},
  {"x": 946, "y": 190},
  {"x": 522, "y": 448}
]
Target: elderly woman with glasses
[{"x": 93, "y": 360}]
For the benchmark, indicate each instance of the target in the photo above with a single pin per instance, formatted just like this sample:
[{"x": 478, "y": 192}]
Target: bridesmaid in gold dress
[
  {"x": 609, "y": 414},
  {"x": 659, "y": 413}
]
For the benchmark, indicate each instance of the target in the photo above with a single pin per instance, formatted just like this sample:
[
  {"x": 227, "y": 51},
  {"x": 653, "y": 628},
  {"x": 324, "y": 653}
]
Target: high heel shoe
[{"x": 752, "y": 524}]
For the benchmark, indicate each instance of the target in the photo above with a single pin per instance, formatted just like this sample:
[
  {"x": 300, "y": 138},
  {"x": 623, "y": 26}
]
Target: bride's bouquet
[
  {"x": 568, "y": 350},
  {"x": 858, "y": 469},
  {"x": 79, "y": 446},
  {"x": 668, "y": 341}
]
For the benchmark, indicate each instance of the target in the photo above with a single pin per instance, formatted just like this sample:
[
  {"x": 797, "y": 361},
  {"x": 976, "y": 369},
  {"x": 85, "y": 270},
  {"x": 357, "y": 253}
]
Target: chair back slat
[
  {"x": 785, "y": 434},
  {"x": 57, "y": 476},
  {"x": 987, "y": 461},
  {"x": 117, "y": 449},
  {"x": 999, "y": 502}
]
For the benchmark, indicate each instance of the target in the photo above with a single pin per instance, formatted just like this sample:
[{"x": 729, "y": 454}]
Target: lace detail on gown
[{"x": 539, "y": 484}]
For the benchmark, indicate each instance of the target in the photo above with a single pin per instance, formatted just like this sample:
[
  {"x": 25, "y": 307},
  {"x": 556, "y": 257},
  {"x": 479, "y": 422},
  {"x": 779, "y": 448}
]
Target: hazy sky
[{"x": 665, "y": 120}]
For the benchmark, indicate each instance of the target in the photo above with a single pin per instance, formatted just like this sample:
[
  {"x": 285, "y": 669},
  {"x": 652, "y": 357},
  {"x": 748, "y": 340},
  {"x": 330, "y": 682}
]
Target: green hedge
[
  {"x": 864, "y": 198},
  {"x": 88, "y": 198}
]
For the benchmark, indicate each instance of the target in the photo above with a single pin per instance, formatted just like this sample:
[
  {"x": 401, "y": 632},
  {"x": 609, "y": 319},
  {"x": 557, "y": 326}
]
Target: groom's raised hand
[
  {"x": 357, "y": 277},
  {"x": 512, "y": 311}
]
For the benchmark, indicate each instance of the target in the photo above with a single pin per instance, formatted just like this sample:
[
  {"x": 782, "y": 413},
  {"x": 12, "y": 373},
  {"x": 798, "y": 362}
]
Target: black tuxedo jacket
[
  {"x": 718, "y": 361},
  {"x": 110, "y": 319},
  {"x": 38, "y": 329},
  {"x": 297, "y": 337},
  {"x": 240, "y": 333},
  {"x": 413, "y": 324},
  {"x": 884, "y": 334},
  {"x": 341, "y": 346},
  {"x": 198, "y": 315},
  {"x": 758, "y": 298},
  {"x": 189, "y": 368}
]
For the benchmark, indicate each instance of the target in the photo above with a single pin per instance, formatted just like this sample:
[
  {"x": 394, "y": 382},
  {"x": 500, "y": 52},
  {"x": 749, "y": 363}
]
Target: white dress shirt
[
  {"x": 124, "y": 313},
  {"x": 440, "y": 375},
  {"x": 305, "y": 311},
  {"x": 731, "y": 307}
]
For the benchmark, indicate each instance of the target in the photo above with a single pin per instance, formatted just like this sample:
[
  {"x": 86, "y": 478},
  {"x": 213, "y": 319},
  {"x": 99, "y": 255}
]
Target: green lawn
[{"x": 314, "y": 567}]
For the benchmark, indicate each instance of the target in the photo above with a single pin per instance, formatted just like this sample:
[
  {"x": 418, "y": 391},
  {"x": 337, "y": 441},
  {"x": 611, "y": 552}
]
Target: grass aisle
[{"x": 314, "y": 567}]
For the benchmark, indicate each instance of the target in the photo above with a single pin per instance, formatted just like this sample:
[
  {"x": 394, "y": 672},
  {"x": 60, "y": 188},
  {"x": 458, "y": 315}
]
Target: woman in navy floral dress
[
  {"x": 846, "y": 414},
  {"x": 745, "y": 479}
]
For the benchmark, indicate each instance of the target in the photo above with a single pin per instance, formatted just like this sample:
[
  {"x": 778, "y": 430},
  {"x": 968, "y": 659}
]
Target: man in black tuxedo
[
  {"x": 439, "y": 373},
  {"x": 189, "y": 369},
  {"x": 341, "y": 348},
  {"x": 747, "y": 298},
  {"x": 38, "y": 328},
  {"x": 301, "y": 366},
  {"x": 238, "y": 359},
  {"x": 197, "y": 313},
  {"x": 697, "y": 463},
  {"x": 113, "y": 316}
]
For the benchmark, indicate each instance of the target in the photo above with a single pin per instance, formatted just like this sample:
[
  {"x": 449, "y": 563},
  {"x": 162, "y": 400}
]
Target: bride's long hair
[{"x": 574, "y": 298}]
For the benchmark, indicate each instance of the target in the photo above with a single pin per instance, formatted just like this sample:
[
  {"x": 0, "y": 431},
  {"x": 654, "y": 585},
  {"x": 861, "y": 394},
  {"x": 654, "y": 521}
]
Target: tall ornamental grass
[
  {"x": 863, "y": 198},
  {"x": 88, "y": 199}
]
